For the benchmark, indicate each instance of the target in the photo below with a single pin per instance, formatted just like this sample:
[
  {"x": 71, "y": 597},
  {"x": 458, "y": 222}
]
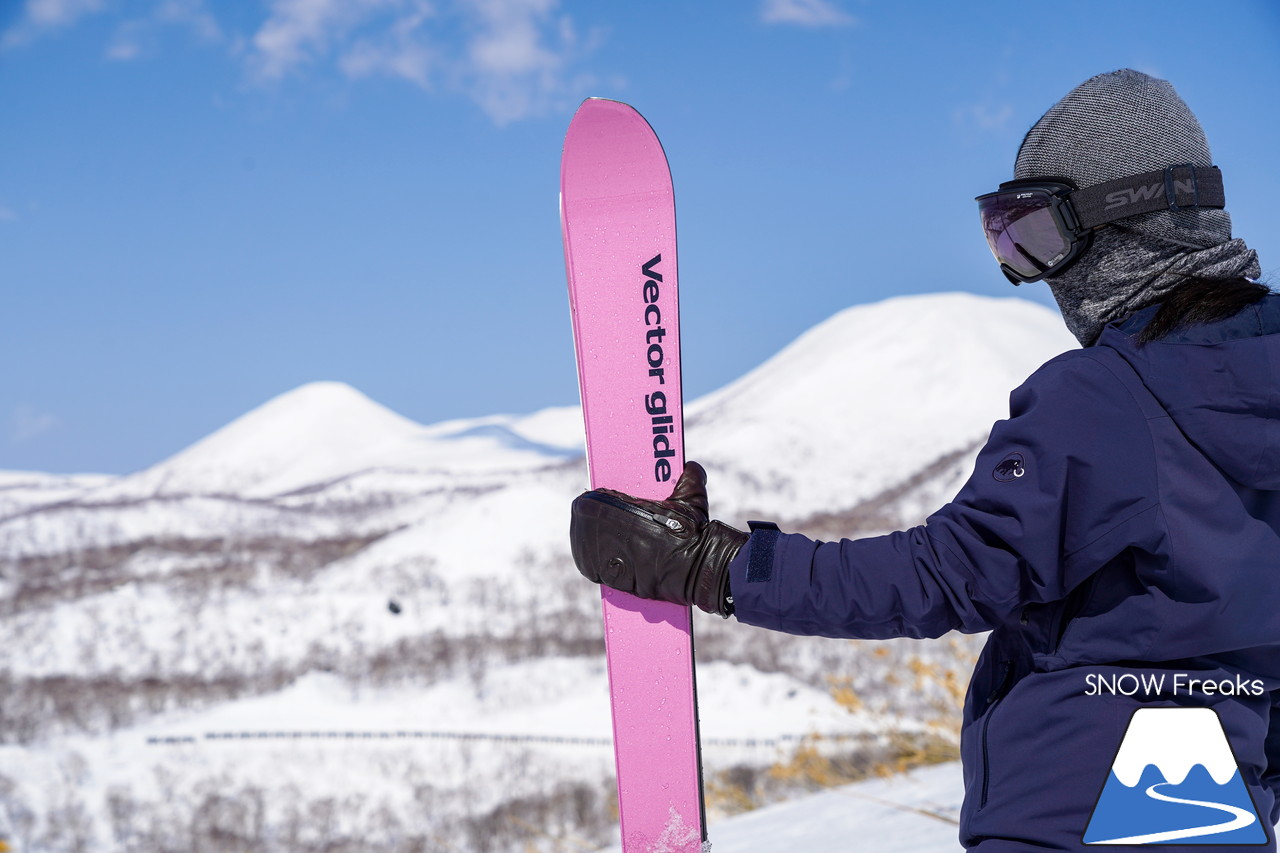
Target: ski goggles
[{"x": 1039, "y": 226}]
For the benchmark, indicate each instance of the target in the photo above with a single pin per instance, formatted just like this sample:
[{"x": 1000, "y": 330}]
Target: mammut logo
[{"x": 1010, "y": 468}]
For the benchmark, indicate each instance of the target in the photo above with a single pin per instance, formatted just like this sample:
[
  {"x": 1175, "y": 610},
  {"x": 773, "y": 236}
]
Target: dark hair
[{"x": 1201, "y": 300}]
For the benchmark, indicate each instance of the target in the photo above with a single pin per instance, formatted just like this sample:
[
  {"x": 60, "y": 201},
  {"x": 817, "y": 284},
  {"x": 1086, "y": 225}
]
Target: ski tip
[
  {"x": 602, "y": 134},
  {"x": 599, "y": 106},
  {"x": 597, "y": 113}
]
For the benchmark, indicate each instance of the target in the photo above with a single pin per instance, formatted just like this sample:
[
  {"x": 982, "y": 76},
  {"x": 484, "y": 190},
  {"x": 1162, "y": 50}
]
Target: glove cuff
[{"x": 711, "y": 590}]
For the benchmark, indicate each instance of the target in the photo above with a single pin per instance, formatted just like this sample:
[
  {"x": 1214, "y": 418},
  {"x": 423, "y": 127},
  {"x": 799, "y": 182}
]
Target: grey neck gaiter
[{"x": 1125, "y": 270}]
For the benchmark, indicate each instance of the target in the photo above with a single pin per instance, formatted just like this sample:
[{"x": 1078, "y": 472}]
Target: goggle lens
[{"x": 1022, "y": 231}]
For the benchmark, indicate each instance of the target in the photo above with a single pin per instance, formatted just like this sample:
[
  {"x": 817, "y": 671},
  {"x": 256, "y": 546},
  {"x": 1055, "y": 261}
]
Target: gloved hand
[{"x": 666, "y": 550}]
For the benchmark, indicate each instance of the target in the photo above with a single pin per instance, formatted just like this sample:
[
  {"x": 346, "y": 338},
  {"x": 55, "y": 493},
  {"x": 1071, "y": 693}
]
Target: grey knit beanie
[
  {"x": 1119, "y": 124},
  {"x": 1113, "y": 126}
]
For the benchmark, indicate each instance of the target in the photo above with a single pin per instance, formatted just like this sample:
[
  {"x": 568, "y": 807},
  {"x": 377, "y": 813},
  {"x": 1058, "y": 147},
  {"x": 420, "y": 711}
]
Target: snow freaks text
[{"x": 1168, "y": 684}]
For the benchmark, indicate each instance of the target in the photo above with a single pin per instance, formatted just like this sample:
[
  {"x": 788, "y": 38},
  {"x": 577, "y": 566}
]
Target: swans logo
[{"x": 1175, "y": 781}]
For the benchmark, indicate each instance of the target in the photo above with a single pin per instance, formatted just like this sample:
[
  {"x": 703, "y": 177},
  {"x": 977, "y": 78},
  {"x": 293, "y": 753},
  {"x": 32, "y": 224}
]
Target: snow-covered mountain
[
  {"x": 867, "y": 399},
  {"x": 327, "y": 432},
  {"x": 323, "y": 565}
]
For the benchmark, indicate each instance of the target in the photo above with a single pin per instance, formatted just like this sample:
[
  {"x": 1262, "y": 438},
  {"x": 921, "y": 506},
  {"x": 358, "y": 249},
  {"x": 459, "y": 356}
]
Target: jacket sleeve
[{"x": 1061, "y": 487}]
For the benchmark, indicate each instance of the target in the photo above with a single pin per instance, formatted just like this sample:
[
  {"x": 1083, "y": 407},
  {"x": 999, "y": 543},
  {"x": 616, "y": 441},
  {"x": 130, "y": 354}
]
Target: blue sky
[{"x": 205, "y": 204}]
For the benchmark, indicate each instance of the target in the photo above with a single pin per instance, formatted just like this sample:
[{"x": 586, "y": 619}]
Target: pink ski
[{"x": 617, "y": 212}]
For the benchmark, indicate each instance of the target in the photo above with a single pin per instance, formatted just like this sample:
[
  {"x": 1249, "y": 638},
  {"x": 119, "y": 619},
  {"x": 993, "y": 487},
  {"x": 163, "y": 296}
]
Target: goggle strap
[{"x": 1172, "y": 188}]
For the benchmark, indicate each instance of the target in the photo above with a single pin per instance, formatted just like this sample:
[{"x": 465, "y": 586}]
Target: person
[{"x": 1119, "y": 536}]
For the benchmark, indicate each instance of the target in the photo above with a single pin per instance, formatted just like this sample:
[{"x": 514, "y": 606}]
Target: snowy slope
[
  {"x": 913, "y": 813},
  {"x": 323, "y": 563}
]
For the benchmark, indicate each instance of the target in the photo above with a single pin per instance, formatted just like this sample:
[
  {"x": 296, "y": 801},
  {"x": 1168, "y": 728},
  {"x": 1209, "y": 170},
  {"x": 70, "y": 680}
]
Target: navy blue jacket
[{"x": 1124, "y": 519}]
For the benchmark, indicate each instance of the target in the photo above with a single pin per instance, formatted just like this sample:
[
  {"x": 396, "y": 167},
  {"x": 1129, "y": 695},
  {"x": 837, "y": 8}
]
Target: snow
[
  {"x": 677, "y": 836},
  {"x": 323, "y": 432},
  {"x": 868, "y": 397},
  {"x": 913, "y": 813},
  {"x": 819, "y": 426},
  {"x": 551, "y": 698},
  {"x": 916, "y": 812},
  {"x": 267, "y": 554}
]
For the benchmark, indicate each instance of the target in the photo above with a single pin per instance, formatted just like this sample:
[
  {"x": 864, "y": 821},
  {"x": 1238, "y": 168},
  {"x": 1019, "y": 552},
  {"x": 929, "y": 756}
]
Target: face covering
[{"x": 1125, "y": 270}]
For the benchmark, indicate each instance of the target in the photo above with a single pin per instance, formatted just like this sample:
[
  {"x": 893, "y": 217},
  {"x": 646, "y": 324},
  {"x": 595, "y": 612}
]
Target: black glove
[{"x": 667, "y": 550}]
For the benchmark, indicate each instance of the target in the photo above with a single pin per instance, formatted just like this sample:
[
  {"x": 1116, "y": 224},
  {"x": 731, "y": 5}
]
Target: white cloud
[
  {"x": 27, "y": 422},
  {"x": 805, "y": 13},
  {"x": 299, "y": 31},
  {"x": 44, "y": 16},
  {"x": 512, "y": 57},
  {"x": 510, "y": 42},
  {"x": 140, "y": 37},
  {"x": 516, "y": 62},
  {"x": 984, "y": 116},
  {"x": 132, "y": 39},
  {"x": 123, "y": 49},
  {"x": 402, "y": 51},
  {"x": 190, "y": 14},
  {"x": 59, "y": 13},
  {"x": 126, "y": 42}
]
